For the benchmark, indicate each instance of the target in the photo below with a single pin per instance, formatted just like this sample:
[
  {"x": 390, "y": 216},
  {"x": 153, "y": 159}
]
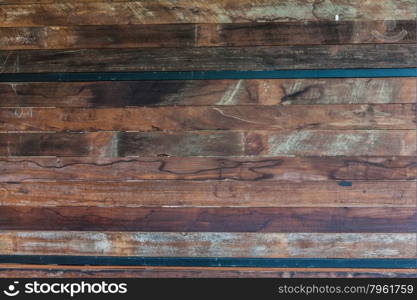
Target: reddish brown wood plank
[
  {"x": 210, "y": 194},
  {"x": 186, "y": 118},
  {"x": 87, "y": 12},
  {"x": 209, "y": 244},
  {"x": 36, "y": 271},
  {"x": 210, "y": 58},
  {"x": 267, "y": 219},
  {"x": 208, "y": 92},
  {"x": 286, "y": 169}
]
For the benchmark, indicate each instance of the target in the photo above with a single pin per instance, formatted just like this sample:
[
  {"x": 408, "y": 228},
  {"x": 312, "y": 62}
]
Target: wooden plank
[
  {"x": 331, "y": 143},
  {"x": 50, "y": 271},
  {"x": 209, "y": 244},
  {"x": 210, "y": 194},
  {"x": 210, "y": 58},
  {"x": 267, "y": 219},
  {"x": 116, "y": 36},
  {"x": 87, "y": 12},
  {"x": 209, "y": 143},
  {"x": 306, "y": 33},
  {"x": 186, "y": 118},
  {"x": 299, "y": 142},
  {"x": 209, "y": 92},
  {"x": 284, "y": 169},
  {"x": 206, "y": 35}
]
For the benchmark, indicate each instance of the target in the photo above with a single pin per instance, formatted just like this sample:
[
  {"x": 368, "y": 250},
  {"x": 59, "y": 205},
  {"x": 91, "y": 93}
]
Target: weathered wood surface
[
  {"x": 188, "y": 118},
  {"x": 210, "y": 194},
  {"x": 306, "y": 33},
  {"x": 206, "y": 35},
  {"x": 210, "y": 58},
  {"x": 285, "y": 169},
  {"x": 168, "y": 219},
  {"x": 209, "y": 244},
  {"x": 87, "y": 12},
  {"x": 209, "y": 143},
  {"x": 209, "y": 92},
  {"x": 36, "y": 271}
]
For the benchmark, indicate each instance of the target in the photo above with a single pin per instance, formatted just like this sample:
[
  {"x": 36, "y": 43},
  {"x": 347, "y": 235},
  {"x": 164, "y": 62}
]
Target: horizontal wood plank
[
  {"x": 210, "y": 58},
  {"x": 210, "y": 244},
  {"x": 284, "y": 169},
  {"x": 186, "y": 118},
  {"x": 49, "y": 271},
  {"x": 206, "y": 35},
  {"x": 209, "y": 143},
  {"x": 209, "y": 92},
  {"x": 267, "y": 219},
  {"x": 306, "y": 33},
  {"x": 116, "y": 36},
  {"x": 87, "y": 12},
  {"x": 210, "y": 194}
]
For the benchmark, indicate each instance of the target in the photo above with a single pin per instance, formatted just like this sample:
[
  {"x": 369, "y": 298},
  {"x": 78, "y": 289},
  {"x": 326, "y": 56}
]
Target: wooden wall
[{"x": 245, "y": 167}]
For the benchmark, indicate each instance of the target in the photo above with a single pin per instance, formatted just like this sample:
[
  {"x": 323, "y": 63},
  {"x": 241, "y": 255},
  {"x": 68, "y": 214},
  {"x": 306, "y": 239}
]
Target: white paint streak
[
  {"x": 229, "y": 96},
  {"x": 236, "y": 118}
]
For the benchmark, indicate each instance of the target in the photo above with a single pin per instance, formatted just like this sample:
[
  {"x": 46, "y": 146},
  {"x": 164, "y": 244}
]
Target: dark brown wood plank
[
  {"x": 267, "y": 219},
  {"x": 210, "y": 194},
  {"x": 116, "y": 36},
  {"x": 209, "y": 92},
  {"x": 306, "y": 33},
  {"x": 284, "y": 169},
  {"x": 210, "y": 58},
  {"x": 88, "y": 12},
  {"x": 209, "y": 244},
  {"x": 212, "y": 143},
  {"x": 36, "y": 271},
  {"x": 206, "y": 35},
  {"x": 186, "y": 118}
]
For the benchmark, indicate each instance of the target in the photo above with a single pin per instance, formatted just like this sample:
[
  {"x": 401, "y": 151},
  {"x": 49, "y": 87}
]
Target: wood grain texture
[
  {"x": 209, "y": 194},
  {"x": 116, "y": 36},
  {"x": 206, "y": 35},
  {"x": 36, "y": 271},
  {"x": 306, "y": 33},
  {"x": 209, "y": 143},
  {"x": 34, "y": 13},
  {"x": 210, "y": 58},
  {"x": 210, "y": 244},
  {"x": 284, "y": 169},
  {"x": 209, "y": 92},
  {"x": 267, "y": 219},
  {"x": 187, "y": 118}
]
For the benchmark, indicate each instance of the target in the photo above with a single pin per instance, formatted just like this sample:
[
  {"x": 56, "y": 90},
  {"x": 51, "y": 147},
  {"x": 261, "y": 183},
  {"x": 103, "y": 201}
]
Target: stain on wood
[
  {"x": 187, "y": 118},
  {"x": 209, "y": 92},
  {"x": 209, "y": 244},
  {"x": 224, "y": 219},
  {"x": 210, "y": 58}
]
